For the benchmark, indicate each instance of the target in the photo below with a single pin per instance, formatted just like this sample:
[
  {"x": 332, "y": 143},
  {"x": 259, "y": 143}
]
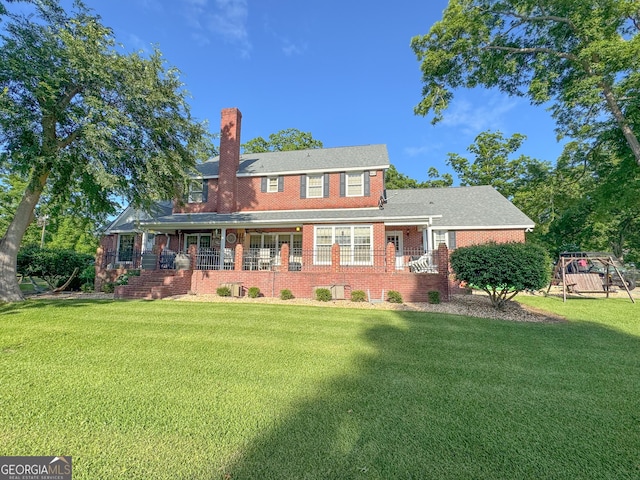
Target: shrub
[
  {"x": 358, "y": 296},
  {"x": 54, "y": 265},
  {"x": 86, "y": 287},
  {"x": 502, "y": 269},
  {"x": 123, "y": 279},
  {"x": 108, "y": 287},
  {"x": 223, "y": 291},
  {"x": 433, "y": 296},
  {"x": 253, "y": 292},
  {"x": 323, "y": 294},
  {"x": 286, "y": 294},
  {"x": 394, "y": 297}
]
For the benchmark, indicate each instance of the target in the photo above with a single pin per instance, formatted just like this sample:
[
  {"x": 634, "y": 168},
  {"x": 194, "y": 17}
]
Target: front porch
[{"x": 411, "y": 272}]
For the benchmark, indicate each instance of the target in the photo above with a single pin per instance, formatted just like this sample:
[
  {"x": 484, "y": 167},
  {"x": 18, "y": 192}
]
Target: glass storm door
[{"x": 396, "y": 239}]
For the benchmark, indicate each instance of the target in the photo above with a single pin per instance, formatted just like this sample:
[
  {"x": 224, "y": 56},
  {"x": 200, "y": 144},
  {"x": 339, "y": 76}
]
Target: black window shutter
[
  {"x": 205, "y": 190},
  {"x": 326, "y": 185},
  {"x": 452, "y": 240},
  {"x": 367, "y": 184},
  {"x": 263, "y": 184},
  {"x": 303, "y": 186},
  {"x": 342, "y": 184},
  {"x": 281, "y": 184}
]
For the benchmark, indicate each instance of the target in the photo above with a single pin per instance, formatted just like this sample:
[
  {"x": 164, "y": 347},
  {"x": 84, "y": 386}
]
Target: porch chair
[
  {"x": 421, "y": 264},
  {"x": 229, "y": 259},
  {"x": 264, "y": 259}
]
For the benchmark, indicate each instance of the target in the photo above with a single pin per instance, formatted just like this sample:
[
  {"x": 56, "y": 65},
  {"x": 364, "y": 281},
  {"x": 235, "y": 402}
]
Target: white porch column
[{"x": 223, "y": 242}]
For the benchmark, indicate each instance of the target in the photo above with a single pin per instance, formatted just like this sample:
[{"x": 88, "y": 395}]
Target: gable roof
[{"x": 365, "y": 157}]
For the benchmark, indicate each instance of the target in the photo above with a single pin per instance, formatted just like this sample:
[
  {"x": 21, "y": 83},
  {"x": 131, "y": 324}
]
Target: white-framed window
[
  {"x": 196, "y": 191},
  {"x": 440, "y": 236},
  {"x": 272, "y": 184},
  {"x": 355, "y": 244},
  {"x": 354, "y": 184},
  {"x": 126, "y": 243},
  {"x": 315, "y": 186},
  {"x": 201, "y": 240}
]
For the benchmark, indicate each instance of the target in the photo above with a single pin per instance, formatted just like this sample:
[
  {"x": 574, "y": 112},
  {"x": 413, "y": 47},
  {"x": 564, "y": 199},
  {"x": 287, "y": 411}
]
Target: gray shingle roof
[
  {"x": 449, "y": 208},
  {"x": 321, "y": 159},
  {"x": 472, "y": 207}
]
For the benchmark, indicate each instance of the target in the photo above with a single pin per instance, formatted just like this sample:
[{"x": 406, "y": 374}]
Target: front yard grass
[{"x": 173, "y": 390}]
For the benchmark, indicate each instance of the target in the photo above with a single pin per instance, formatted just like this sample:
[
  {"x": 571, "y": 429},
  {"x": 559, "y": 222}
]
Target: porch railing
[{"x": 266, "y": 259}]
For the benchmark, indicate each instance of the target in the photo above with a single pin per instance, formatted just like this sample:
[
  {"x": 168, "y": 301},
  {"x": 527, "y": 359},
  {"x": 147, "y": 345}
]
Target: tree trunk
[
  {"x": 629, "y": 136},
  {"x": 10, "y": 243}
]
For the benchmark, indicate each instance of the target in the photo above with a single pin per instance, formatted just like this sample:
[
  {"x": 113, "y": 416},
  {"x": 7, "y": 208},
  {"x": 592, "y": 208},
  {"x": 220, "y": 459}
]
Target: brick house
[{"x": 299, "y": 220}]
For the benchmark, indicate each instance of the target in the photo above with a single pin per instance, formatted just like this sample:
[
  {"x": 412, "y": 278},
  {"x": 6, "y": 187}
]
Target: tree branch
[
  {"x": 543, "y": 18},
  {"x": 66, "y": 99},
  {"x": 65, "y": 142},
  {"x": 533, "y": 50}
]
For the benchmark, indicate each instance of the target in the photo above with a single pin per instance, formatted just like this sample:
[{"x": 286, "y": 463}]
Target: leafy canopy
[
  {"x": 86, "y": 123},
  {"x": 95, "y": 121},
  {"x": 581, "y": 55},
  {"x": 282, "y": 141}
]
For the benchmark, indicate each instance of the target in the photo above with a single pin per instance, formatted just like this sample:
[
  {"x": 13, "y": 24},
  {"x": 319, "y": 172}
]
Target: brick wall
[{"x": 464, "y": 238}]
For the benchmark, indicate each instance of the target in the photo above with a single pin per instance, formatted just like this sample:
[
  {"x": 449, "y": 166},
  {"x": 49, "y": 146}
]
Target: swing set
[{"x": 581, "y": 272}]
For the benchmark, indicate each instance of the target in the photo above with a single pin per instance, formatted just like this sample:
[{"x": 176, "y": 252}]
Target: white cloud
[
  {"x": 418, "y": 151},
  {"x": 226, "y": 19},
  {"x": 489, "y": 112},
  {"x": 137, "y": 44},
  {"x": 290, "y": 48}
]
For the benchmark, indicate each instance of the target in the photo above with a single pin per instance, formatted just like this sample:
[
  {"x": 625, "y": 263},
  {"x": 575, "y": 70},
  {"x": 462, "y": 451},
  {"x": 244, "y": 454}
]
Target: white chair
[
  {"x": 264, "y": 259},
  {"x": 422, "y": 264},
  {"x": 229, "y": 258}
]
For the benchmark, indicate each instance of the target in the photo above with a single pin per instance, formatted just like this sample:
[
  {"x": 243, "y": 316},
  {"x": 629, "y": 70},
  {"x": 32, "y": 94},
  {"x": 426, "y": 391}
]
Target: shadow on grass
[
  {"x": 452, "y": 397},
  {"x": 29, "y": 304}
]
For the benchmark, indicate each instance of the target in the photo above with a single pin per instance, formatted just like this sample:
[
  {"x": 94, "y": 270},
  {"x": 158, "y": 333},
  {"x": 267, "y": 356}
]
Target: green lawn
[{"x": 172, "y": 390}]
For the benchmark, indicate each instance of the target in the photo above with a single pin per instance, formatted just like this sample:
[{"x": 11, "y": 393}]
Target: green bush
[
  {"x": 54, "y": 266},
  {"x": 223, "y": 291},
  {"x": 108, "y": 287},
  {"x": 123, "y": 279},
  {"x": 86, "y": 287},
  {"x": 433, "y": 296},
  {"x": 286, "y": 294},
  {"x": 253, "y": 292},
  {"x": 394, "y": 297},
  {"x": 323, "y": 294},
  {"x": 358, "y": 296},
  {"x": 502, "y": 269}
]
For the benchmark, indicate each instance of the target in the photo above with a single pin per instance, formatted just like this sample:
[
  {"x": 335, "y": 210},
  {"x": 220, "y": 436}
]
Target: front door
[{"x": 395, "y": 237}]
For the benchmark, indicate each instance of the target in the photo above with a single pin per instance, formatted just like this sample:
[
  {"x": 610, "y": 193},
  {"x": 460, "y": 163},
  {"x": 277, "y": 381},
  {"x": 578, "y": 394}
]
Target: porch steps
[{"x": 155, "y": 284}]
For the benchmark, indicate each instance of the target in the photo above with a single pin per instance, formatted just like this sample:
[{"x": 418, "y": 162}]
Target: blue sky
[{"x": 340, "y": 69}]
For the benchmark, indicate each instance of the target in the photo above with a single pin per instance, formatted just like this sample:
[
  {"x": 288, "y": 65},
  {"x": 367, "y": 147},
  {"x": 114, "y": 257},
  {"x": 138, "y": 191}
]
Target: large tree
[
  {"x": 86, "y": 122},
  {"x": 282, "y": 141},
  {"x": 583, "y": 56}
]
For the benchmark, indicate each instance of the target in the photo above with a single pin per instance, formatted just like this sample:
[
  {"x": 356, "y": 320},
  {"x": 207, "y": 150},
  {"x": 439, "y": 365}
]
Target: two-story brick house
[{"x": 300, "y": 220}]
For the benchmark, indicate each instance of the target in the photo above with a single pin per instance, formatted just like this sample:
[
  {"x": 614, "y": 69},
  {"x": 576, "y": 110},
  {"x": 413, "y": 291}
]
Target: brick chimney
[{"x": 229, "y": 160}]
